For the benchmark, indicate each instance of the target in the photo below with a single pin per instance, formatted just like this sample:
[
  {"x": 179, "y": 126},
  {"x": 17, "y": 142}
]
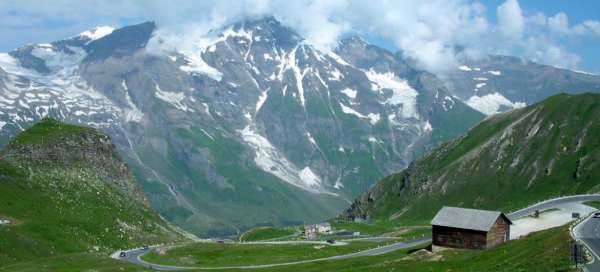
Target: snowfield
[
  {"x": 491, "y": 103},
  {"x": 403, "y": 95},
  {"x": 271, "y": 160}
]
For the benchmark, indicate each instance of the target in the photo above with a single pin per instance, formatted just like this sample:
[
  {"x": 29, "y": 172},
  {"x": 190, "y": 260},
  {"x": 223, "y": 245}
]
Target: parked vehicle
[
  {"x": 122, "y": 254},
  {"x": 597, "y": 215}
]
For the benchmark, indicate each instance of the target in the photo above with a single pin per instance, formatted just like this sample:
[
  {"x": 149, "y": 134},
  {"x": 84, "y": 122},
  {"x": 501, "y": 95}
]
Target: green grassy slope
[
  {"x": 65, "y": 190},
  {"x": 266, "y": 233},
  {"x": 506, "y": 162},
  {"x": 543, "y": 251},
  {"x": 74, "y": 263},
  {"x": 221, "y": 255}
]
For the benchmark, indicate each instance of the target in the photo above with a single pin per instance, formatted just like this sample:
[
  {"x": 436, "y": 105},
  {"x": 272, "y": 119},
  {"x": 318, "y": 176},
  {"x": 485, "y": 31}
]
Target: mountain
[
  {"x": 511, "y": 159},
  {"x": 251, "y": 125},
  {"x": 65, "y": 189},
  {"x": 497, "y": 83}
]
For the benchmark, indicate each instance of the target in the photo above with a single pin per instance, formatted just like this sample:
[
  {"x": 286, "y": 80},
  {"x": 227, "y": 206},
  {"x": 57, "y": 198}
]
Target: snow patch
[
  {"x": 349, "y": 93},
  {"x": 374, "y": 140},
  {"x": 427, "y": 126},
  {"x": 348, "y": 110},
  {"x": 270, "y": 159},
  {"x": 311, "y": 139},
  {"x": 97, "y": 32},
  {"x": 464, "y": 68},
  {"x": 261, "y": 99},
  {"x": 335, "y": 75},
  {"x": 337, "y": 58},
  {"x": 403, "y": 95},
  {"x": 490, "y": 103},
  {"x": 309, "y": 177},
  {"x": 373, "y": 118},
  {"x": 196, "y": 64},
  {"x": 290, "y": 62},
  {"x": 133, "y": 114},
  {"x": 338, "y": 184},
  {"x": 173, "y": 98}
]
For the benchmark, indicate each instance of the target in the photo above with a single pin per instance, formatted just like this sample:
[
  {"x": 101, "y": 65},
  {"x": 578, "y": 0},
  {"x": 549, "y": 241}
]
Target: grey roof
[{"x": 462, "y": 218}]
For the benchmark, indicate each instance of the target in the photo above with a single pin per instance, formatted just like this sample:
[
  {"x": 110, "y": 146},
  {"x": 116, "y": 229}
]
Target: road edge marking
[{"x": 596, "y": 258}]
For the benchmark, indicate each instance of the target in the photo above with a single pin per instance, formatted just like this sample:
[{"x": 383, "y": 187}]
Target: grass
[
  {"x": 73, "y": 263},
  {"x": 68, "y": 208},
  {"x": 216, "y": 255},
  {"x": 380, "y": 227},
  {"x": 542, "y": 251},
  {"x": 266, "y": 233},
  {"x": 520, "y": 167},
  {"x": 594, "y": 204},
  {"x": 46, "y": 130}
]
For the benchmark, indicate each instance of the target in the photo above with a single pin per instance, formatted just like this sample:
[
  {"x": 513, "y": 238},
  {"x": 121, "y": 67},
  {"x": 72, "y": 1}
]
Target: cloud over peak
[{"x": 427, "y": 32}]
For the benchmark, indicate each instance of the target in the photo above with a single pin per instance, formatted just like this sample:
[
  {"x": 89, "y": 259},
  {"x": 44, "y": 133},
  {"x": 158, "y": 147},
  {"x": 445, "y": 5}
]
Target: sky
[{"x": 435, "y": 34}]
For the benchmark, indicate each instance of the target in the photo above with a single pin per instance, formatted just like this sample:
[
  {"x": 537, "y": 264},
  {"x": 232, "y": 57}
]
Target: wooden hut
[{"x": 469, "y": 228}]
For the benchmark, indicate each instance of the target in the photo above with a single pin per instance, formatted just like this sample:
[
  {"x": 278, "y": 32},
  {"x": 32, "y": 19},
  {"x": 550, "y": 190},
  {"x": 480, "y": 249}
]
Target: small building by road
[
  {"x": 469, "y": 228},
  {"x": 311, "y": 231}
]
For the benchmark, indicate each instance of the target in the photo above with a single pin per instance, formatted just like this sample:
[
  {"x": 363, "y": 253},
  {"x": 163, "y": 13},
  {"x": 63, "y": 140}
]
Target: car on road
[
  {"x": 220, "y": 242},
  {"x": 331, "y": 241},
  {"x": 145, "y": 247},
  {"x": 597, "y": 215},
  {"x": 122, "y": 254}
]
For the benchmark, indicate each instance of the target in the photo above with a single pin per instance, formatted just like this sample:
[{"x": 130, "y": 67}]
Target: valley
[
  {"x": 255, "y": 120},
  {"x": 267, "y": 135}
]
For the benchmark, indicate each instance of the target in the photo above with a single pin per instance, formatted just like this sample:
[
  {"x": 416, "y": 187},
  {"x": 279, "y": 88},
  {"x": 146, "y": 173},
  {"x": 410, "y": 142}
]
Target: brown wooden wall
[
  {"x": 471, "y": 239},
  {"x": 458, "y": 238},
  {"x": 499, "y": 233}
]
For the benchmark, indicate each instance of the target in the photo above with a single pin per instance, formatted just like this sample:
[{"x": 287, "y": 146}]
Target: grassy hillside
[
  {"x": 543, "y": 251},
  {"x": 65, "y": 190},
  {"x": 74, "y": 263},
  {"x": 506, "y": 162},
  {"x": 266, "y": 233}
]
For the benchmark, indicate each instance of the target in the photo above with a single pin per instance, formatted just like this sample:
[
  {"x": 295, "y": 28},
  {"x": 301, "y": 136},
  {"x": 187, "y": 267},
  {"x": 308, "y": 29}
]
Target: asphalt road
[
  {"x": 588, "y": 232},
  {"x": 552, "y": 203},
  {"x": 133, "y": 256}
]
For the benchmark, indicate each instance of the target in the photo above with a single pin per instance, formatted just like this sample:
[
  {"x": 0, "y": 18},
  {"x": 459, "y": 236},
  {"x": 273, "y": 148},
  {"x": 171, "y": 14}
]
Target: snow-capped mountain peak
[
  {"x": 97, "y": 32},
  {"x": 250, "y": 112}
]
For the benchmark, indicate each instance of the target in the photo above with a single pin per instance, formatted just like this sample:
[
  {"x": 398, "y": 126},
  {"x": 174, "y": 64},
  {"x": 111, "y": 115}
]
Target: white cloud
[
  {"x": 427, "y": 31},
  {"x": 559, "y": 23},
  {"x": 511, "y": 22}
]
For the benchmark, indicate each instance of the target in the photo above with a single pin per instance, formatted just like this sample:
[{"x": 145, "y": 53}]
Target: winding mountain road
[
  {"x": 588, "y": 231},
  {"x": 134, "y": 256},
  {"x": 556, "y": 203}
]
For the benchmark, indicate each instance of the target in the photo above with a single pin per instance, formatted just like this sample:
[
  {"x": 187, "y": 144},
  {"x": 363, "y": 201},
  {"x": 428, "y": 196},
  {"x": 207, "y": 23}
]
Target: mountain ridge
[
  {"x": 253, "y": 114},
  {"x": 557, "y": 137},
  {"x": 65, "y": 189}
]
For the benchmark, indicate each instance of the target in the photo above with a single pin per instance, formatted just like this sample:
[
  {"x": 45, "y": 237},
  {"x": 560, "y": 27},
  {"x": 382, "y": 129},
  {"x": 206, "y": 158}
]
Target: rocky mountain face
[
  {"x": 65, "y": 189},
  {"x": 512, "y": 159},
  {"x": 252, "y": 126},
  {"x": 498, "y": 83}
]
